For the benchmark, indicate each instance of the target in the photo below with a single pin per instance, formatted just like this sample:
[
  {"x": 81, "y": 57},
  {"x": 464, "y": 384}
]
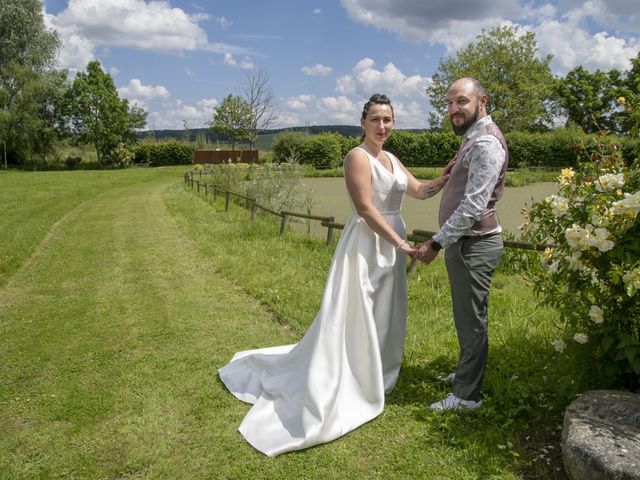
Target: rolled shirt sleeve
[{"x": 484, "y": 161}]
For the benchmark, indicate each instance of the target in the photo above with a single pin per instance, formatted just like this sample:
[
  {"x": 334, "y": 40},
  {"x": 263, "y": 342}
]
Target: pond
[{"x": 331, "y": 199}]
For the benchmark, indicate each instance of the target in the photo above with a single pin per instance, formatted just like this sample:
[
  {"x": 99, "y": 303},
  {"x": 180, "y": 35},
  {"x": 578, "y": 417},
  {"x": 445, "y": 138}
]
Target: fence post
[
  {"x": 283, "y": 224},
  {"x": 253, "y": 210},
  {"x": 330, "y": 232},
  {"x": 206, "y": 189},
  {"x": 215, "y": 193},
  {"x": 226, "y": 201},
  {"x": 198, "y": 185}
]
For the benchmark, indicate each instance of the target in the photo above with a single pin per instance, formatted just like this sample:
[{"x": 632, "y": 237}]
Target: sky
[{"x": 178, "y": 59}]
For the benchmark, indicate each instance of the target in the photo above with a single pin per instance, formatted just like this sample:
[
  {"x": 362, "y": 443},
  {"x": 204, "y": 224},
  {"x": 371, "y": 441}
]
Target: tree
[
  {"x": 25, "y": 40},
  {"x": 233, "y": 118},
  {"x": 29, "y": 89},
  {"x": 259, "y": 96},
  {"x": 98, "y": 116},
  {"x": 630, "y": 91},
  {"x": 589, "y": 99},
  {"x": 519, "y": 84}
]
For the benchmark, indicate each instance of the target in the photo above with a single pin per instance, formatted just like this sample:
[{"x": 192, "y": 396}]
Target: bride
[{"x": 335, "y": 378}]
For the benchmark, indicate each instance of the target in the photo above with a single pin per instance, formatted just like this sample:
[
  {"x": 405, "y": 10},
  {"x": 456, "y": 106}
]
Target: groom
[{"x": 470, "y": 235}]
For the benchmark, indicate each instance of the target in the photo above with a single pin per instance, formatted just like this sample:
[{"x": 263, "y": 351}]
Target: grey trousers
[{"x": 470, "y": 265}]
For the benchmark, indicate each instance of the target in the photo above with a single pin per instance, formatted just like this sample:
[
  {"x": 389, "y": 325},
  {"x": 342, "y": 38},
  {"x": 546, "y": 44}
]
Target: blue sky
[{"x": 179, "y": 59}]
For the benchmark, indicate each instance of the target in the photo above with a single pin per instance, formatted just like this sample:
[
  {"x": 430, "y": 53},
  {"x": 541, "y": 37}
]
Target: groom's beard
[{"x": 464, "y": 126}]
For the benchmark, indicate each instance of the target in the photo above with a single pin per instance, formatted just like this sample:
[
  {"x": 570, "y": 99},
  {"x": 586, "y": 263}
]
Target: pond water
[{"x": 331, "y": 199}]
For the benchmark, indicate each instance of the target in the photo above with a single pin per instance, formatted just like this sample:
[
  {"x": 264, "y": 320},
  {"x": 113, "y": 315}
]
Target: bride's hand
[{"x": 407, "y": 249}]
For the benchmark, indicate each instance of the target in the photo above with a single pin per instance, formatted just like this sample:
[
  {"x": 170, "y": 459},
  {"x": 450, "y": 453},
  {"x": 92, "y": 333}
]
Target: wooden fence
[{"x": 417, "y": 236}]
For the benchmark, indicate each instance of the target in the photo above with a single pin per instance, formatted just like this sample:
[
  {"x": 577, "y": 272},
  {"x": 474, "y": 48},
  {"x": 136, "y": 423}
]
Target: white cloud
[
  {"x": 571, "y": 44},
  {"x": 317, "y": 11},
  {"x": 365, "y": 80},
  {"x": 407, "y": 94},
  {"x": 340, "y": 110},
  {"x": 451, "y": 22},
  {"x": 411, "y": 114},
  {"x": 245, "y": 64},
  {"x": 88, "y": 24},
  {"x": 223, "y": 22},
  {"x": 318, "y": 70},
  {"x": 299, "y": 103},
  {"x": 172, "y": 115},
  {"x": 146, "y": 93},
  {"x": 590, "y": 34},
  {"x": 76, "y": 51},
  {"x": 343, "y": 110},
  {"x": 309, "y": 110}
]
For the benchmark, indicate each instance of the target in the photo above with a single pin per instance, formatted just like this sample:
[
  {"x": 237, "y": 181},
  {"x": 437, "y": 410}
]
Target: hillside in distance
[{"x": 345, "y": 130}]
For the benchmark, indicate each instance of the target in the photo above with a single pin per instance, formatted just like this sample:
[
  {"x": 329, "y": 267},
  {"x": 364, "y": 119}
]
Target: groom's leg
[{"x": 470, "y": 266}]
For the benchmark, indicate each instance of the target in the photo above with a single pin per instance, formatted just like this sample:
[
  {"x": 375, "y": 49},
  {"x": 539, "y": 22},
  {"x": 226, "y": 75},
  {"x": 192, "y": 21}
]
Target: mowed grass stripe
[{"x": 111, "y": 338}]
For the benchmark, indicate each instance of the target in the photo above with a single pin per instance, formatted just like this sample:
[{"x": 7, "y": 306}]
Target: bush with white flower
[{"x": 591, "y": 267}]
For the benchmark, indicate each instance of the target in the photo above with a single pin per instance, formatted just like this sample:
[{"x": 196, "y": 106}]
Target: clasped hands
[{"x": 422, "y": 252}]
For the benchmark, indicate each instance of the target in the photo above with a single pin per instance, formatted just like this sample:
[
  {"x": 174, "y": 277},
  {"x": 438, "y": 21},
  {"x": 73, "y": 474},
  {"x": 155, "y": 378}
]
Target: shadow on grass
[{"x": 526, "y": 388}]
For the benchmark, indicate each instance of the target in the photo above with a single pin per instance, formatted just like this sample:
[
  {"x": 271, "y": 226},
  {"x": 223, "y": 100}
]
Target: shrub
[
  {"x": 275, "y": 186},
  {"x": 347, "y": 144},
  {"x": 424, "y": 149},
  {"x": 436, "y": 149},
  {"x": 287, "y": 147},
  {"x": 121, "y": 156},
  {"x": 324, "y": 150},
  {"x": 592, "y": 272},
  {"x": 163, "y": 153},
  {"x": 403, "y": 145}
]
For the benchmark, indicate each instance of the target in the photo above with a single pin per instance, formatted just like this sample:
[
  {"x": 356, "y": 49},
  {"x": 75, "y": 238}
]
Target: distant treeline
[{"x": 210, "y": 137}]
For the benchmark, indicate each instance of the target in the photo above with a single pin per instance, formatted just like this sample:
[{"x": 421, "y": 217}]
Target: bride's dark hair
[{"x": 376, "y": 99}]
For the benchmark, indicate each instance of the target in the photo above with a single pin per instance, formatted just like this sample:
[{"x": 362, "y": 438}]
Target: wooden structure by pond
[{"x": 225, "y": 156}]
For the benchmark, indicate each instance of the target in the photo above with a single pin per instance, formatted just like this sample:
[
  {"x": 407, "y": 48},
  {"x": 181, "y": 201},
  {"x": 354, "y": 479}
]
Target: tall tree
[
  {"x": 29, "y": 88},
  {"x": 631, "y": 92},
  {"x": 233, "y": 118},
  {"x": 259, "y": 96},
  {"x": 588, "y": 99},
  {"x": 98, "y": 116},
  {"x": 519, "y": 83},
  {"x": 23, "y": 36}
]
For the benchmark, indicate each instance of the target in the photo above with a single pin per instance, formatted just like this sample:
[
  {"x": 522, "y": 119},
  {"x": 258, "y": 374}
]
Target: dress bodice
[{"x": 388, "y": 187}]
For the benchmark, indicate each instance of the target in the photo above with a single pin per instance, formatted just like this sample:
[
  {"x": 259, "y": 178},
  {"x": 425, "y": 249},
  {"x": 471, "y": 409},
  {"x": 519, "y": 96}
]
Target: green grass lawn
[{"x": 123, "y": 292}]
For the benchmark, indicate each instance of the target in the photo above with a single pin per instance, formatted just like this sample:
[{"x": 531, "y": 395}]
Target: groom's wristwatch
[{"x": 435, "y": 246}]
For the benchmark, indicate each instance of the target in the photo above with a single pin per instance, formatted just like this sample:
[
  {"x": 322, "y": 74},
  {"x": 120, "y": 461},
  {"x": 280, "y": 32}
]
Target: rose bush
[{"x": 591, "y": 271}]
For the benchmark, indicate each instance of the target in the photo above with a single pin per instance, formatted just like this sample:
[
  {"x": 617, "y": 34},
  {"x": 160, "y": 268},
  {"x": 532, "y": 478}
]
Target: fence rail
[{"x": 416, "y": 236}]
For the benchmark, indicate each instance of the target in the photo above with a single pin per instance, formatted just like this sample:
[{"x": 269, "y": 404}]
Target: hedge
[
  {"x": 554, "y": 149},
  {"x": 163, "y": 153}
]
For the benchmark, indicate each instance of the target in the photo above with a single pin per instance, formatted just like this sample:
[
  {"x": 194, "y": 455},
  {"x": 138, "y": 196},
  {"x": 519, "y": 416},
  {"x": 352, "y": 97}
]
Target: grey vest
[{"x": 453, "y": 192}]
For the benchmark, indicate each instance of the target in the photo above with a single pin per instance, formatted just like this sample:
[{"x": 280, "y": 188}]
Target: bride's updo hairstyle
[{"x": 376, "y": 99}]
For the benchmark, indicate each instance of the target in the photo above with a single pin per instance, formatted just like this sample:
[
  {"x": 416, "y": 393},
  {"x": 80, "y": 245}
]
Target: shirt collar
[{"x": 476, "y": 126}]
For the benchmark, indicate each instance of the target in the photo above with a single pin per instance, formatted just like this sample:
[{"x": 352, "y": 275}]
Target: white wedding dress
[{"x": 335, "y": 378}]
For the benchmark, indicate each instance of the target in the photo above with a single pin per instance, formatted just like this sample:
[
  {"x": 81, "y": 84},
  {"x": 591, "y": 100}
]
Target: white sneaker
[
  {"x": 449, "y": 379},
  {"x": 451, "y": 402}
]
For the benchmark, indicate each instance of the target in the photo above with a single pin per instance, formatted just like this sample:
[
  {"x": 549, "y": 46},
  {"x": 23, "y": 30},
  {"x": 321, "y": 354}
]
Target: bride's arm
[{"x": 357, "y": 174}]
